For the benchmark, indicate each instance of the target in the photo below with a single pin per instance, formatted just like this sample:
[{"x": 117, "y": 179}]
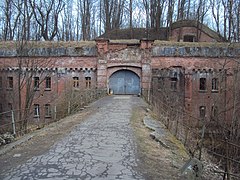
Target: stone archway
[{"x": 124, "y": 82}]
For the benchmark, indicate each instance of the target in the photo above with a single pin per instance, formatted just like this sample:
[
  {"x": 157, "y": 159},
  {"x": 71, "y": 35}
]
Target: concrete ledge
[
  {"x": 157, "y": 137},
  {"x": 186, "y": 51},
  {"x": 158, "y": 133}
]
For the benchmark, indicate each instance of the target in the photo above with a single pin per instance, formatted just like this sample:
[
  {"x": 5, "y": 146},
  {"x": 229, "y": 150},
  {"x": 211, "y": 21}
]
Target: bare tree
[
  {"x": 181, "y": 9},
  {"x": 28, "y": 89},
  {"x": 11, "y": 15},
  {"x": 85, "y": 8},
  {"x": 46, "y": 14},
  {"x": 113, "y": 14}
]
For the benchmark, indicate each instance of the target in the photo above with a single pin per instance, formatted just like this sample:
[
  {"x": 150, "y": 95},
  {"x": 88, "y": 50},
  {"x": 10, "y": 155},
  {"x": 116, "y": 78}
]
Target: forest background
[{"x": 75, "y": 20}]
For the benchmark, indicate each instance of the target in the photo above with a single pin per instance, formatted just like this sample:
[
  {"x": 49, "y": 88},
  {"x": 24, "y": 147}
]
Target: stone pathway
[{"x": 102, "y": 147}]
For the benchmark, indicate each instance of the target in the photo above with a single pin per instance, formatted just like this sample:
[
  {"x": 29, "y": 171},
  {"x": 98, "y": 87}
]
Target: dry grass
[
  {"x": 156, "y": 162},
  {"x": 126, "y": 41},
  {"x": 196, "y": 44},
  {"x": 79, "y": 44},
  {"x": 46, "y": 44}
]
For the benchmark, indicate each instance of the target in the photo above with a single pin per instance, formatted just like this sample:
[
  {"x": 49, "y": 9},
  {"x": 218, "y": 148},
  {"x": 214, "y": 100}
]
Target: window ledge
[
  {"x": 9, "y": 89},
  {"x": 202, "y": 91},
  {"x": 48, "y": 89},
  {"x": 214, "y": 91},
  {"x": 48, "y": 116}
]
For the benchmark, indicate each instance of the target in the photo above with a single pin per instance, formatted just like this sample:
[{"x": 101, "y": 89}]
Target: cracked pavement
[{"x": 101, "y": 147}]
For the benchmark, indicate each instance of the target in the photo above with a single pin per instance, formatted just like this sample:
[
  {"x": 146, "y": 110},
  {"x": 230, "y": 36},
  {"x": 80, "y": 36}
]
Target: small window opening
[
  {"x": 1, "y": 83},
  {"x": 189, "y": 38},
  {"x": 76, "y": 82},
  {"x": 88, "y": 82},
  {"x": 202, "y": 111},
  {"x": 48, "y": 83},
  {"x": 214, "y": 112},
  {"x": 47, "y": 110},
  {"x": 36, "y": 83},
  {"x": 202, "y": 85},
  {"x": 174, "y": 83},
  {"x": 10, "y": 82},
  {"x": 36, "y": 110},
  {"x": 215, "y": 84},
  {"x": 160, "y": 83}
]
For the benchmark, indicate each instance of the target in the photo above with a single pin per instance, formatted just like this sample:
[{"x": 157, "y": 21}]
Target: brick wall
[{"x": 194, "y": 62}]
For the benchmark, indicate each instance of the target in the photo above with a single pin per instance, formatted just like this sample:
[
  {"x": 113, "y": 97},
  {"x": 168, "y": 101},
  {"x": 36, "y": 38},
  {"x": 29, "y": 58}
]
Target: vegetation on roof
[
  {"x": 196, "y": 44},
  {"x": 74, "y": 44},
  {"x": 125, "y": 41},
  {"x": 46, "y": 44}
]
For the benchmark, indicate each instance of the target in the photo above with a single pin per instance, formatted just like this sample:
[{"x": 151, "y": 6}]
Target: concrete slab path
[{"x": 101, "y": 147}]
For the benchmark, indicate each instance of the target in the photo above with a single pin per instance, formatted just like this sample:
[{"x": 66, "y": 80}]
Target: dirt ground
[{"x": 41, "y": 142}]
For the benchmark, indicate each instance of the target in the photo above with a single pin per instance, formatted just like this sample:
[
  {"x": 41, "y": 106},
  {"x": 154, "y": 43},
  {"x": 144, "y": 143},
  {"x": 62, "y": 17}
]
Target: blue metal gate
[{"x": 124, "y": 82}]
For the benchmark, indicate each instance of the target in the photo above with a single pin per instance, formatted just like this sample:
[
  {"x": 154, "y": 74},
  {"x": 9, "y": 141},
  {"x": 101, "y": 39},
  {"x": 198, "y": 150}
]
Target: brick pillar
[
  {"x": 103, "y": 47},
  {"x": 146, "y": 45}
]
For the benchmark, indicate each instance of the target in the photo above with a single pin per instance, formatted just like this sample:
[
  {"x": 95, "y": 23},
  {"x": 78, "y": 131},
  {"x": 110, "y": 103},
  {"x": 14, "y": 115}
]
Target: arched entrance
[{"x": 124, "y": 82}]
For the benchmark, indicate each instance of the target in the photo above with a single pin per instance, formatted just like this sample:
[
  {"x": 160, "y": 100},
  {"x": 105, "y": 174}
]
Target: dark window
[
  {"x": 202, "y": 84},
  {"x": 48, "y": 82},
  {"x": 75, "y": 82},
  {"x": 1, "y": 108},
  {"x": 88, "y": 82},
  {"x": 160, "y": 83},
  {"x": 36, "y": 83},
  {"x": 10, "y": 82},
  {"x": 202, "y": 111},
  {"x": 36, "y": 110},
  {"x": 174, "y": 83},
  {"x": 47, "y": 110},
  {"x": 215, "y": 84},
  {"x": 1, "y": 83},
  {"x": 10, "y": 108},
  {"x": 189, "y": 38},
  {"x": 214, "y": 111}
]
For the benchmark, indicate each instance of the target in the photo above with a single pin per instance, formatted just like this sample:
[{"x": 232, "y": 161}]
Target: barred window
[
  {"x": 47, "y": 110},
  {"x": 36, "y": 110},
  {"x": 88, "y": 82},
  {"x": 48, "y": 83},
  {"x": 36, "y": 83},
  {"x": 75, "y": 82},
  {"x": 214, "y": 84}
]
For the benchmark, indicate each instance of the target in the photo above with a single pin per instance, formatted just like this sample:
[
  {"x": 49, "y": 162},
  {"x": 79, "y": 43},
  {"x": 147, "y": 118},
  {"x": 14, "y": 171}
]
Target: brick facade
[{"x": 181, "y": 68}]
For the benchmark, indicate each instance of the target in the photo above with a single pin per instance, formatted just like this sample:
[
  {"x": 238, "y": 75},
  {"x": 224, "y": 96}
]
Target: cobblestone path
[{"x": 101, "y": 147}]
